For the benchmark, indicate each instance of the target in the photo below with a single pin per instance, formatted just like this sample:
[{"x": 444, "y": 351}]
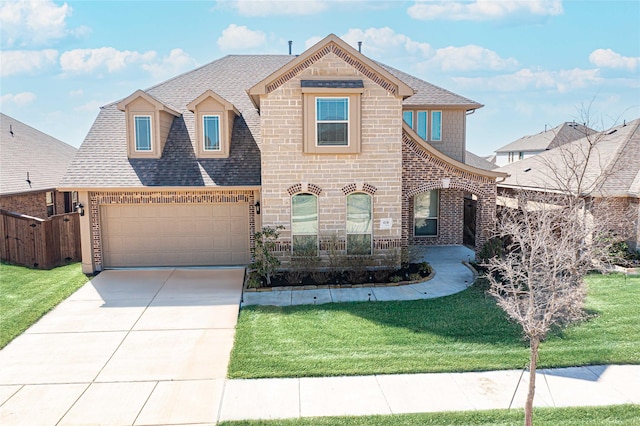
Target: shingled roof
[
  {"x": 549, "y": 139},
  {"x": 613, "y": 168},
  {"x": 25, "y": 151},
  {"x": 102, "y": 160}
]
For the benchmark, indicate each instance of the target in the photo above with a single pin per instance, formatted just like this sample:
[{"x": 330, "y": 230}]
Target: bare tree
[{"x": 553, "y": 237}]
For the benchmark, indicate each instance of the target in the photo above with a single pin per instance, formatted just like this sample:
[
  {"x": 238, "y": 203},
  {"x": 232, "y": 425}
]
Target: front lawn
[
  {"x": 596, "y": 416},
  {"x": 575, "y": 416},
  {"x": 27, "y": 294},
  {"x": 462, "y": 332}
]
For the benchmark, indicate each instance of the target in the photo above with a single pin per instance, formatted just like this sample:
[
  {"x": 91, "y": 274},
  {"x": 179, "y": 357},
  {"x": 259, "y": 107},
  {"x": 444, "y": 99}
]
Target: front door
[{"x": 469, "y": 233}]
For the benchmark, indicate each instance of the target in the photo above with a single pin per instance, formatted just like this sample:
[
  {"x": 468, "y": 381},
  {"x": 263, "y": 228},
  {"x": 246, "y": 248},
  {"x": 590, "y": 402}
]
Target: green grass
[
  {"x": 462, "y": 332},
  {"x": 611, "y": 415},
  {"x": 27, "y": 294}
]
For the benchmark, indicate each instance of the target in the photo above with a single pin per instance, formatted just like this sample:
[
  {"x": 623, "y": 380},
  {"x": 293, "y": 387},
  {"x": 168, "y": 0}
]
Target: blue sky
[{"x": 531, "y": 63}]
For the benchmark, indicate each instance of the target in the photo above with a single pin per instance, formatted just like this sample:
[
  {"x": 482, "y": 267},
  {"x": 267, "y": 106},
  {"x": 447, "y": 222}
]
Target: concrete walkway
[
  {"x": 451, "y": 276},
  {"x": 143, "y": 347},
  {"x": 417, "y": 393}
]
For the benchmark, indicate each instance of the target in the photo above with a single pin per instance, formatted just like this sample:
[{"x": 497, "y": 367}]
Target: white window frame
[
  {"x": 204, "y": 135},
  {"x": 431, "y": 121},
  {"x": 347, "y": 121},
  {"x": 135, "y": 132},
  {"x": 370, "y": 234},
  {"x": 436, "y": 217},
  {"x": 316, "y": 234}
]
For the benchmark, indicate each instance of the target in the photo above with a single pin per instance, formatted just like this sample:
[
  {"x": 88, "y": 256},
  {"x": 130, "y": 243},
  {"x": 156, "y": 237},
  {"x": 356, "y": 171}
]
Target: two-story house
[{"x": 329, "y": 144}]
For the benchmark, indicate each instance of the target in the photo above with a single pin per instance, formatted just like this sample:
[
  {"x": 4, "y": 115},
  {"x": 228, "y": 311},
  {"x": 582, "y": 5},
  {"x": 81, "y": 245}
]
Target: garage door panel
[{"x": 175, "y": 234}]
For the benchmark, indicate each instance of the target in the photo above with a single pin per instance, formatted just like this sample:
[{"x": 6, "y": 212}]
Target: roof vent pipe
[
  {"x": 290, "y": 44},
  {"x": 360, "y": 46}
]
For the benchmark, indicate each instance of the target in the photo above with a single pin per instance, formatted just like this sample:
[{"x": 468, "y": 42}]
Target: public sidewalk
[
  {"x": 413, "y": 393},
  {"x": 451, "y": 276}
]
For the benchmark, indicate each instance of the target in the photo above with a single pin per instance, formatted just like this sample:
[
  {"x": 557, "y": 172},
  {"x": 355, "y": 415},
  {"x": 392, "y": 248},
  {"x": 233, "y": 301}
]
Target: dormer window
[
  {"x": 331, "y": 116},
  {"x": 142, "y": 132},
  {"x": 211, "y": 135},
  {"x": 148, "y": 121},
  {"x": 214, "y": 117}
]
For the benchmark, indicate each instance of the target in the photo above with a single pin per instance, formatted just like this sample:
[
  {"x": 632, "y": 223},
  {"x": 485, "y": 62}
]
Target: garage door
[{"x": 175, "y": 234}]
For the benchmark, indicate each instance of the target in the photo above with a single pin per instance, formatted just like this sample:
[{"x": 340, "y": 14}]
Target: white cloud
[
  {"x": 92, "y": 60},
  {"x": 385, "y": 42},
  {"x": 607, "y": 58},
  {"x": 19, "y": 99},
  {"x": 33, "y": 22},
  {"x": 471, "y": 57},
  {"x": 377, "y": 41},
  {"x": 77, "y": 92},
  {"x": 482, "y": 10},
  {"x": 177, "y": 62},
  {"x": 236, "y": 37},
  {"x": 525, "y": 79},
  {"x": 271, "y": 7},
  {"x": 91, "y": 106},
  {"x": 26, "y": 61}
]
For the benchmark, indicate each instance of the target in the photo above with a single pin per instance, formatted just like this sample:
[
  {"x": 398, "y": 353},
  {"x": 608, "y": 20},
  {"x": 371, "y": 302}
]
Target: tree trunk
[{"x": 528, "y": 407}]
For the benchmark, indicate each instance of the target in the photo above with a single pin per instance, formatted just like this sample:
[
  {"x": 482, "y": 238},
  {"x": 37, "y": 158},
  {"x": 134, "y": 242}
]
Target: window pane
[
  {"x": 211, "y": 125},
  {"x": 333, "y": 134},
  {"x": 359, "y": 214},
  {"x": 422, "y": 125},
  {"x": 407, "y": 116},
  {"x": 332, "y": 109},
  {"x": 143, "y": 133},
  {"x": 426, "y": 227},
  {"x": 425, "y": 213},
  {"x": 304, "y": 214},
  {"x": 359, "y": 244},
  {"x": 436, "y": 125}
]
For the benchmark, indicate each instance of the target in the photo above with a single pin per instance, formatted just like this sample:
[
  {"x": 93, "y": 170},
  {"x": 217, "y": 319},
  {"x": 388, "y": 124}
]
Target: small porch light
[
  {"x": 257, "y": 206},
  {"x": 80, "y": 209}
]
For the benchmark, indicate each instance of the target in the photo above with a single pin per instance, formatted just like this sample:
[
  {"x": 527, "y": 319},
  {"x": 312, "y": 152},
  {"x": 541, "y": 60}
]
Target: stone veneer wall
[
  {"x": 423, "y": 172},
  {"x": 159, "y": 197},
  {"x": 378, "y": 165}
]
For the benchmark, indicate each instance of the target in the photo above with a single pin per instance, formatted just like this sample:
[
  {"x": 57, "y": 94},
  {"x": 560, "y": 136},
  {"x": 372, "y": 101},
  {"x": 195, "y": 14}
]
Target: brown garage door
[{"x": 175, "y": 234}]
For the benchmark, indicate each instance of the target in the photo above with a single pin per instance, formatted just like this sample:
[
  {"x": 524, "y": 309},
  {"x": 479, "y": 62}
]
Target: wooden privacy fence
[{"x": 40, "y": 243}]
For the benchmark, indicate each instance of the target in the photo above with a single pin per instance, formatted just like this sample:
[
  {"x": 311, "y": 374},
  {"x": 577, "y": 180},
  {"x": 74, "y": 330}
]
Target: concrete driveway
[{"x": 143, "y": 347}]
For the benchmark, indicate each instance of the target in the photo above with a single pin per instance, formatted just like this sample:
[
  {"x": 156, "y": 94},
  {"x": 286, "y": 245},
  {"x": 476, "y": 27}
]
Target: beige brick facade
[{"x": 378, "y": 165}]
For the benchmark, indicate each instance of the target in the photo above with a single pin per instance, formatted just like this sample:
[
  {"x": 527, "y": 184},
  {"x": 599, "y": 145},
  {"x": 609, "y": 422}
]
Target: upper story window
[
  {"x": 148, "y": 121},
  {"x": 332, "y": 120},
  {"x": 211, "y": 135},
  {"x": 425, "y": 213},
  {"x": 304, "y": 224},
  {"x": 407, "y": 116},
  {"x": 214, "y": 119},
  {"x": 142, "y": 132},
  {"x": 436, "y": 125},
  {"x": 427, "y": 124},
  {"x": 331, "y": 116},
  {"x": 359, "y": 224}
]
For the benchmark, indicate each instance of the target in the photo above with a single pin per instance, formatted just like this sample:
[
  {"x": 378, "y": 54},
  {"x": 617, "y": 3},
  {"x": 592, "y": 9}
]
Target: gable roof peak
[
  {"x": 330, "y": 44},
  {"x": 149, "y": 98}
]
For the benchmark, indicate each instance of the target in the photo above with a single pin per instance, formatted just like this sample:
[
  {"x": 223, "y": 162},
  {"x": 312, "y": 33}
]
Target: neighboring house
[
  {"x": 479, "y": 162},
  {"x": 329, "y": 144},
  {"x": 31, "y": 166},
  {"x": 528, "y": 146},
  {"x": 612, "y": 170}
]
